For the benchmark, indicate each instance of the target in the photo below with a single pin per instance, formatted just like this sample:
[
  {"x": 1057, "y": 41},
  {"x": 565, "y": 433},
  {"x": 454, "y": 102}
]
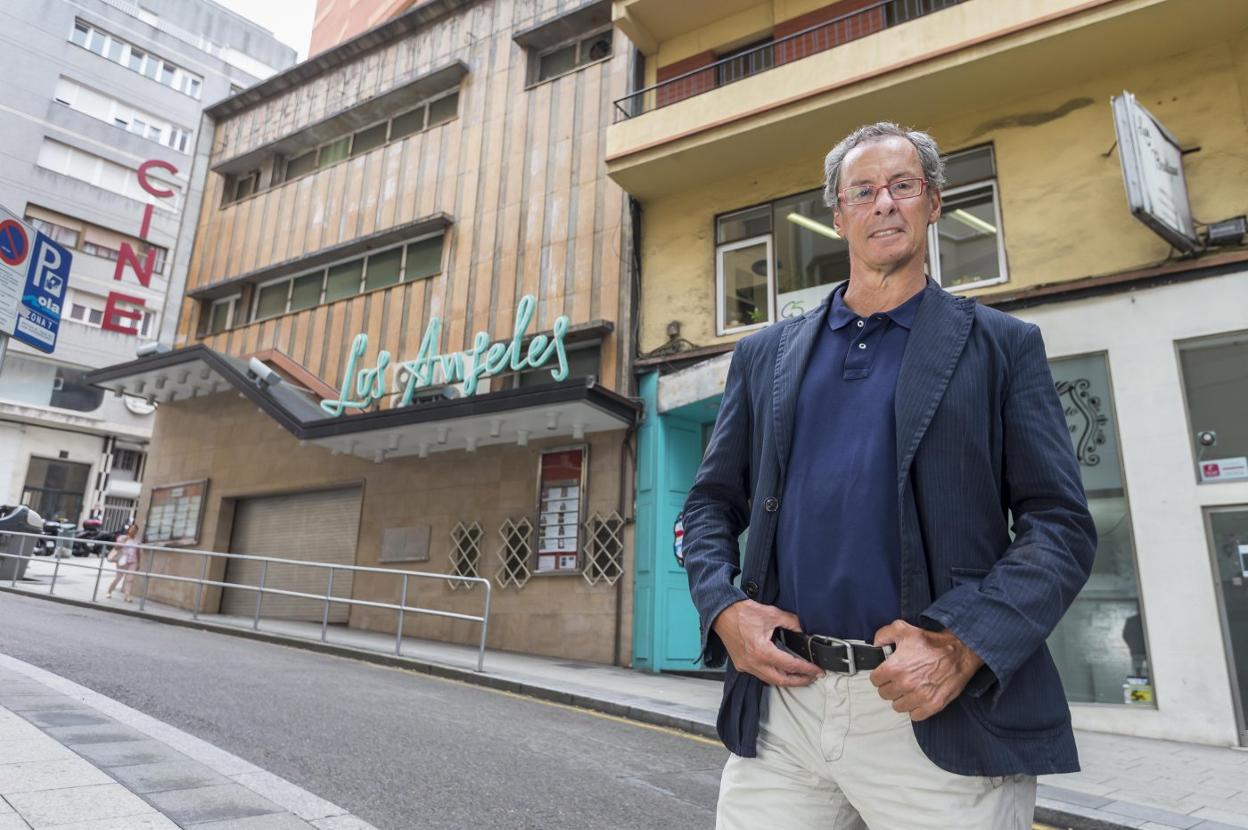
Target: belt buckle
[{"x": 851, "y": 664}]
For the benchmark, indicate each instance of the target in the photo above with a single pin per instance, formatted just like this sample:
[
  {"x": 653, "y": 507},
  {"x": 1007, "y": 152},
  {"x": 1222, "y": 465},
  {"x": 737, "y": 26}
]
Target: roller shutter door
[{"x": 315, "y": 527}]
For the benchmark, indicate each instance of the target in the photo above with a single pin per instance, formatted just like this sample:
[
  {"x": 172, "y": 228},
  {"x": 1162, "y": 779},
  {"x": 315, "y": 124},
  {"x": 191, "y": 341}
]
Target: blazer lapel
[
  {"x": 936, "y": 341},
  {"x": 796, "y": 342}
]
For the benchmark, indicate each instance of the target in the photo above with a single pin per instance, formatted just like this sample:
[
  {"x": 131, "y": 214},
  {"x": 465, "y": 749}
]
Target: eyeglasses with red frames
[{"x": 862, "y": 194}]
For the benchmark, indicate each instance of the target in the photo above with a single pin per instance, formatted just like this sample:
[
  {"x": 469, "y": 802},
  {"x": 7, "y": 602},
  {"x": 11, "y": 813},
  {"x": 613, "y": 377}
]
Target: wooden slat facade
[{"x": 519, "y": 171}]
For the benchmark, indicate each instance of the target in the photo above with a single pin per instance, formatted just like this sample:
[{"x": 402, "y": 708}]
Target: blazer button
[
  {"x": 771, "y": 504},
  {"x": 751, "y": 589}
]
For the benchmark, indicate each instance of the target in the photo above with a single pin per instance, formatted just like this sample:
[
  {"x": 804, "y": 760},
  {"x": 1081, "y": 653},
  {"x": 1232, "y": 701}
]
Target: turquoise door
[{"x": 666, "y": 635}]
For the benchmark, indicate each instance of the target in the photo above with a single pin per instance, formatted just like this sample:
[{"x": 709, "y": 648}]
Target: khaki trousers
[{"x": 835, "y": 756}]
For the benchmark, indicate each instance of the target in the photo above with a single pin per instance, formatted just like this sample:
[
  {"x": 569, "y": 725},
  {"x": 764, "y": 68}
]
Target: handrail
[
  {"x": 914, "y": 9},
  {"x": 202, "y": 581}
]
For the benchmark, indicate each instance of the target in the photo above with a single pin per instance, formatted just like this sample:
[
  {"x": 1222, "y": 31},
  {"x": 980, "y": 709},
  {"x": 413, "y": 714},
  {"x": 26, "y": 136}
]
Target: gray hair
[{"x": 929, "y": 156}]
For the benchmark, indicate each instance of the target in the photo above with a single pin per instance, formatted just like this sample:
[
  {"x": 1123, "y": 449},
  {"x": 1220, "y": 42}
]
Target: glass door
[{"x": 1228, "y": 538}]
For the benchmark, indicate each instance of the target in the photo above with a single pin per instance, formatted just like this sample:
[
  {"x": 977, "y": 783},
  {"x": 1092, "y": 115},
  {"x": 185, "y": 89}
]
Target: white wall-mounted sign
[
  {"x": 1224, "y": 469},
  {"x": 1152, "y": 168}
]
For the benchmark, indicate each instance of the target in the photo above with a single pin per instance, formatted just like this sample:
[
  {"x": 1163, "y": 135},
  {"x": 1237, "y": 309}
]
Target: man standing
[{"x": 887, "y": 660}]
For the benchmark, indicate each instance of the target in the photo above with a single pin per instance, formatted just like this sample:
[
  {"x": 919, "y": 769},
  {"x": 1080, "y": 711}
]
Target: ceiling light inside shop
[
  {"x": 973, "y": 221},
  {"x": 812, "y": 225}
]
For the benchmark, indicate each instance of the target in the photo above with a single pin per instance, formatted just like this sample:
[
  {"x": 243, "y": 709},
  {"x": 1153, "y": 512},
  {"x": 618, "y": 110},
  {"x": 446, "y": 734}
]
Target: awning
[{"x": 571, "y": 409}]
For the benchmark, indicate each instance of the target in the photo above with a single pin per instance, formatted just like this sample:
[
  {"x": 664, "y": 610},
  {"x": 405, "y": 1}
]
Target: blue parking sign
[{"x": 47, "y": 284}]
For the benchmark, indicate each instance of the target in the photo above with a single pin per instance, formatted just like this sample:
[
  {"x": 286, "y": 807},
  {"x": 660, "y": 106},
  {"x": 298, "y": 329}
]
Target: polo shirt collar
[{"x": 840, "y": 315}]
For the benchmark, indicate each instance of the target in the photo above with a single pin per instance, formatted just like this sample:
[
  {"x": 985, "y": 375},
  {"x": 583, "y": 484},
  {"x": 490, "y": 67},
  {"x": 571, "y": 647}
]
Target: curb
[{"x": 1058, "y": 818}]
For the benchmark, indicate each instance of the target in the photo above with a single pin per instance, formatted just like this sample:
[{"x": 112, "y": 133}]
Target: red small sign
[{"x": 14, "y": 244}]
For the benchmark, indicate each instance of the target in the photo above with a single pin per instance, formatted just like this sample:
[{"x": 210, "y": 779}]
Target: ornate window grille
[
  {"x": 466, "y": 554},
  {"x": 604, "y": 550},
  {"x": 515, "y": 553}
]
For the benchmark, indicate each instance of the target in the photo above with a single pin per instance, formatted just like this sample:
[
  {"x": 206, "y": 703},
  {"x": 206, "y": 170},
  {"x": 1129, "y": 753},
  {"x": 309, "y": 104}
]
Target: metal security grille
[
  {"x": 466, "y": 553},
  {"x": 515, "y": 553},
  {"x": 314, "y": 527},
  {"x": 604, "y": 554}
]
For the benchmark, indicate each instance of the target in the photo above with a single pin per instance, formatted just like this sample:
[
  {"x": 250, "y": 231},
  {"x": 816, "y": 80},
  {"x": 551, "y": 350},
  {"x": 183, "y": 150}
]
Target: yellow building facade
[{"x": 723, "y": 148}]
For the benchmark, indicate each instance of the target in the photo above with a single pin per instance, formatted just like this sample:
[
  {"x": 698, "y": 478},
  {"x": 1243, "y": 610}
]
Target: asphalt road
[{"x": 398, "y": 749}]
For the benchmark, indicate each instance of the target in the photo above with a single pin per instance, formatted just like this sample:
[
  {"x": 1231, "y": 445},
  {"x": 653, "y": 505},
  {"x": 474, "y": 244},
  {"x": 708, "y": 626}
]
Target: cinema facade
[{"x": 405, "y": 336}]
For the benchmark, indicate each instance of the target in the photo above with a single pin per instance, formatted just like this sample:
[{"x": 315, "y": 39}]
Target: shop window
[
  {"x": 1099, "y": 645},
  {"x": 1215, "y": 384},
  {"x": 566, "y": 57},
  {"x": 56, "y": 489},
  {"x": 560, "y": 484},
  {"x": 775, "y": 261},
  {"x": 743, "y": 270},
  {"x": 965, "y": 245}
]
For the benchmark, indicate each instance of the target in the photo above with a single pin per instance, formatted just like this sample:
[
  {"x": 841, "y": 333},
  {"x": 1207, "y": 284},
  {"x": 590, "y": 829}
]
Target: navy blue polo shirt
[{"x": 838, "y": 546}]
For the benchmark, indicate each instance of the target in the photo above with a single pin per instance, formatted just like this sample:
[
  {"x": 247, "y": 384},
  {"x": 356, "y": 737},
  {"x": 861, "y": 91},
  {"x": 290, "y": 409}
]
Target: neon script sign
[{"x": 431, "y": 367}]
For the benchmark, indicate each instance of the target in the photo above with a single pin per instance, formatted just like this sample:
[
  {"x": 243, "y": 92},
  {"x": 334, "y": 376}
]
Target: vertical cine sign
[{"x": 126, "y": 319}]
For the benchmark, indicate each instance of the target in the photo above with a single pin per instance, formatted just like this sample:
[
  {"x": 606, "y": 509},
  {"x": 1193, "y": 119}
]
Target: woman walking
[{"x": 126, "y": 554}]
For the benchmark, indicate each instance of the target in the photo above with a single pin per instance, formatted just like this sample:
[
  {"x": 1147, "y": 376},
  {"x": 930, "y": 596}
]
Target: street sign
[{"x": 34, "y": 281}]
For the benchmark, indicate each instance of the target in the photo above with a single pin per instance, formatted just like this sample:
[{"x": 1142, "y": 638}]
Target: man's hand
[
  {"x": 746, "y": 628},
  {"x": 926, "y": 671}
]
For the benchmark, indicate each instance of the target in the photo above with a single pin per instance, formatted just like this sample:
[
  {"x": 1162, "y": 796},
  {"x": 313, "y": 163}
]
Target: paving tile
[
  {"x": 147, "y": 821},
  {"x": 28, "y": 703},
  {"x": 18, "y": 730},
  {"x": 77, "y": 804},
  {"x": 218, "y": 803},
  {"x": 286, "y": 795},
  {"x": 342, "y": 823},
  {"x": 11, "y": 821},
  {"x": 48, "y": 775},
  {"x": 1231, "y": 819},
  {"x": 1071, "y": 796},
  {"x": 169, "y": 775},
  {"x": 35, "y": 748},
  {"x": 128, "y": 753},
  {"x": 1169, "y": 818},
  {"x": 275, "y": 821},
  {"x": 54, "y": 718},
  {"x": 1217, "y": 825},
  {"x": 4, "y": 807},
  {"x": 96, "y": 734}
]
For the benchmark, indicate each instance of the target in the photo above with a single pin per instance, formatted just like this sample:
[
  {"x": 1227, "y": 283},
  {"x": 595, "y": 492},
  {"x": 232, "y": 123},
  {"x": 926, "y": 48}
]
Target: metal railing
[
  {"x": 744, "y": 64},
  {"x": 153, "y": 551}
]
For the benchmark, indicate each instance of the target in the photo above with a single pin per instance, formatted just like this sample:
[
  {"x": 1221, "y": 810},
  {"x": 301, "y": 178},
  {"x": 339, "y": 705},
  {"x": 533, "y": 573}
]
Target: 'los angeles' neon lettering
[{"x": 361, "y": 388}]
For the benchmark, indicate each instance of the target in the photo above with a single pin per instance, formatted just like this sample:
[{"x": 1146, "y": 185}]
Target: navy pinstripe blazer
[{"x": 980, "y": 436}]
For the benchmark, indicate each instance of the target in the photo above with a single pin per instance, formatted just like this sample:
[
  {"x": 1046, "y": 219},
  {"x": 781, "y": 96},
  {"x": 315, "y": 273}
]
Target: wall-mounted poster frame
[
  {"x": 560, "y": 509},
  {"x": 175, "y": 513}
]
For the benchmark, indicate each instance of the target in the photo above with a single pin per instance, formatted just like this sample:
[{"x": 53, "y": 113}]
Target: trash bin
[{"x": 20, "y": 519}]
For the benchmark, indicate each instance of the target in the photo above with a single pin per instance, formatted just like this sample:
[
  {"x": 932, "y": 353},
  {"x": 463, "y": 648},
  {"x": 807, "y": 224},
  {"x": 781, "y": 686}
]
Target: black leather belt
[{"x": 833, "y": 654}]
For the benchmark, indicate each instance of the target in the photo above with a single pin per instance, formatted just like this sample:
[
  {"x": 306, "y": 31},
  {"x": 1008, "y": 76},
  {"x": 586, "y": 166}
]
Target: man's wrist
[{"x": 967, "y": 660}]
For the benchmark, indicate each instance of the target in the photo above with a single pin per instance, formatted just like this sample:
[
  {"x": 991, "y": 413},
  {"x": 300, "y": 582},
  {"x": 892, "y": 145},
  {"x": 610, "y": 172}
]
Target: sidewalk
[
  {"x": 75, "y": 760},
  {"x": 1125, "y": 783}
]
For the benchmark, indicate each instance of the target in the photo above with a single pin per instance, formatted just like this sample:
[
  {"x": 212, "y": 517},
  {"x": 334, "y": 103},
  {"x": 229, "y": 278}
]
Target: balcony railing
[{"x": 739, "y": 65}]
